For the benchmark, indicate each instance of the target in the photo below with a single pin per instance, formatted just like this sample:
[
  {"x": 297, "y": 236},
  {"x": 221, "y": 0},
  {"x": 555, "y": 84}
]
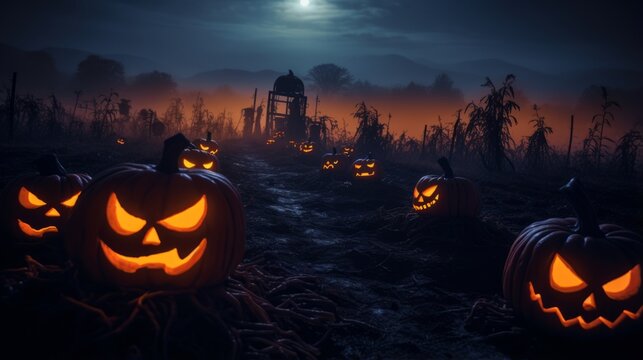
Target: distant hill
[
  {"x": 36, "y": 70},
  {"x": 233, "y": 78}
]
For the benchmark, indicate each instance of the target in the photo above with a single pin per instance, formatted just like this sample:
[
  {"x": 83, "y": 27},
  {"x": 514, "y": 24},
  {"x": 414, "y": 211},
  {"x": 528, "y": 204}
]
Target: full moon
[{"x": 304, "y": 3}]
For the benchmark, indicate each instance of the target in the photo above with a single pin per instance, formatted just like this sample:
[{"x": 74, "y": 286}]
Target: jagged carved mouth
[
  {"x": 307, "y": 150},
  {"x": 30, "y": 231},
  {"x": 579, "y": 320},
  {"x": 427, "y": 205},
  {"x": 169, "y": 261},
  {"x": 328, "y": 166},
  {"x": 365, "y": 174}
]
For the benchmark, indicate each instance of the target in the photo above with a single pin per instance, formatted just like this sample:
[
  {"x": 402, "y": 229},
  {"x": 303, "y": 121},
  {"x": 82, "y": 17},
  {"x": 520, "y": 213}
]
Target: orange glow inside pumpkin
[
  {"x": 169, "y": 261},
  {"x": 120, "y": 220},
  {"x": 28, "y": 199},
  {"x": 563, "y": 278},
  {"x": 30, "y": 231},
  {"x": 624, "y": 286}
]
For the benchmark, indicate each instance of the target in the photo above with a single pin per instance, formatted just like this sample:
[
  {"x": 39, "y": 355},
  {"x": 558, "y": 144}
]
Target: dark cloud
[{"x": 192, "y": 35}]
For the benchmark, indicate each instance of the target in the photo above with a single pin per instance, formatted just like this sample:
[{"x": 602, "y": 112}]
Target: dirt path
[{"x": 333, "y": 230}]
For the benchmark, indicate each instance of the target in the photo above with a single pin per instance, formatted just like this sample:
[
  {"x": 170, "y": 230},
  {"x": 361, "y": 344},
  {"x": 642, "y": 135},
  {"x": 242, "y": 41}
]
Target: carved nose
[
  {"x": 52, "y": 213},
  {"x": 151, "y": 237},
  {"x": 589, "y": 303},
  {"x": 421, "y": 199}
]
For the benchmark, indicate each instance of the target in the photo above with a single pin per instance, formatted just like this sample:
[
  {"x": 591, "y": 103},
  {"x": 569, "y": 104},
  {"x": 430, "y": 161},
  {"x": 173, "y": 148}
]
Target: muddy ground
[{"x": 413, "y": 281}]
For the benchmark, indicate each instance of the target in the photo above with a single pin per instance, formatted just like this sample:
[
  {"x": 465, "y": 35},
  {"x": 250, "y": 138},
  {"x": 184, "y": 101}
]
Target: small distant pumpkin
[
  {"x": 334, "y": 163},
  {"x": 446, "y": 195},
  {"x": 270, "y": 141},
  {"x": 147, "y": 226},
  {"x": 197, "y": 159},
  {"x": 348, "y": 150},
  {"x": 307, "y": 147},
  {"x": 573, "y": 277},
  {"x": 207, "y": 144},
  {"x": 366, "y": 169},
  {"x": 120, "y": 141},
  {"x": 35, "y": 206}
]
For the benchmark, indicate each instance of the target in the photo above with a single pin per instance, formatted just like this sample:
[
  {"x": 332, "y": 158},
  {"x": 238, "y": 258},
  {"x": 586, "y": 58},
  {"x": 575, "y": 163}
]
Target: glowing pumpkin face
[
  {"x": 574, "y": 277},
  {"x": 446, "y": 195},
  {"x": 207, "y": 144},
  {"x": 366, "y": 169},
  {"x": 120, "y": 141},
  {"x": 197, "y": 159},
  {"x": 348, "y": 150},
  {"x": 39, "y": 205},
  {"x": 278, "y": 134},
  {"x": 307, "y": 147},
  {"x": 151, "y": 226},
  {"x": 270, "y": 142},
  {"x": 333, "y": 163}
]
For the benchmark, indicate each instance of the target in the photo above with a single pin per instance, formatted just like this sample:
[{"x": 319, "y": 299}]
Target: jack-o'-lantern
[
  {"x": 366, "y": 169},
  {"x": 446, "y": 195},
  {"x": 348, "y": 150},
  {"x": 120, "y": 141},
  {"x": 278, "y": 134},
  {"x": 307, "y": 147},
  {"x": 574, "y": 277},
  {"x": 207, "y": 144},
  {"x": 270, "y": 141},
  {"x": 197, "y": 159},
  {"x": 149, "y": 226},
  {"x": 333, "y": 163},
  {"x": 36, "y": 206}
]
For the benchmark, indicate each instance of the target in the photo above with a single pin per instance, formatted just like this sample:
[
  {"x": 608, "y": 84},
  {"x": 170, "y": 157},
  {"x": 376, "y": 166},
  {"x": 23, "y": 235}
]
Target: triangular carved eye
[
  {"x": 563, "y": 278},
  {"x": 29, "y": 200},
  {"x": 204, "y": 147},
  {"x": 120, "y": 220},
  {"x": 70, "y": 202},
  {"x": 429, "y": 191},
  {"x": 208, "y": 165},
  {"x": 188, "y": 164},
  {"x": 625, "y": 286},
  {"x": 189, "y": 219},
  {"x": 416, "y": 193}
]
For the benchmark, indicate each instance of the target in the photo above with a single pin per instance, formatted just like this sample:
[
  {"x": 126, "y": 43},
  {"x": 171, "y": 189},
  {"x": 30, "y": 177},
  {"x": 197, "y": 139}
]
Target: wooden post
[
  {"x": 453, "y": 136},
  {"x": 423, "y": 142},
  {"x": 571, "y": 137},
  {"x": 316, "y": 103},
  {"x": 12, "y": 105}
]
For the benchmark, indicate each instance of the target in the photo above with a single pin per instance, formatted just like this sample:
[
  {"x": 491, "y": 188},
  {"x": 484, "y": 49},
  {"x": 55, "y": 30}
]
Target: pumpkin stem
[
  {"x": 369, "y": 156},
  {"x": 172, "y": 149},
  {"x": 586, "y": 223},
  {"x": 49, "y": 165},
  {"x": 209, "y": 137},
  {"x": 446, "y": 167}
]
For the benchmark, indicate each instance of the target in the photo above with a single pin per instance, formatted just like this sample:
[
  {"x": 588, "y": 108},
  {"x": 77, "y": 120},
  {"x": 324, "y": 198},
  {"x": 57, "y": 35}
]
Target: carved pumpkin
[
  {"x": 207, "y": 144},
  {"x": 197, "y": 159},
  {"x": 36, "y": 206},
  {"x": 278, "y": 134},
  {"x": 334, "y": 163},
  {"x": 120, "y": 141},
  {"x": 367, "y": 169},
  {"x": 270, "y": 141},
  {"x": 574, "y": 277},
  {"x": 307, "y": 147},
  {"x": 348, "y": 150},
  {"x": 446, "y": 195},
  {"x": 149, "y": 226}
]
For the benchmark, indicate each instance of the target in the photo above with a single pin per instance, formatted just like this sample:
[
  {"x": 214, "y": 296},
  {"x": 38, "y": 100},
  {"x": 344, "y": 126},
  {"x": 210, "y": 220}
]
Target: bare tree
[{"x": 330, "y": 78}]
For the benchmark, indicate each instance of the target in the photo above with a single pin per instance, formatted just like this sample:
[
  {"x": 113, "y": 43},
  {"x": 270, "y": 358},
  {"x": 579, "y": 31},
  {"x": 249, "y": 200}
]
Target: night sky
[{"x": 185, "y": 37}]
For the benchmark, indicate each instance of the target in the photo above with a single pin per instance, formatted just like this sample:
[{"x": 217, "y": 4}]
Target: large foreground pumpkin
[
  {"x": 158, "y": 226},
  {"x": 574, "y": 277}
]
